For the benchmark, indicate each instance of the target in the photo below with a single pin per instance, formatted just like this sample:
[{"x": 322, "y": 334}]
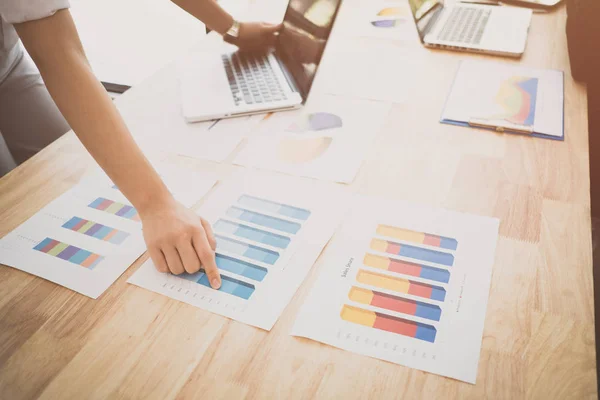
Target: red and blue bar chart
[{"x": 415, "y": 267}]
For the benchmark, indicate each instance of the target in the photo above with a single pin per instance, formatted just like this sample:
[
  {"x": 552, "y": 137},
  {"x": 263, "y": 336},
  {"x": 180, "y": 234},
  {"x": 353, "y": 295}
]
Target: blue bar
[
  {"x": 240, "y": 267},
  {"x": 102, "y": 232},
  {"x": 435, "y": 274},
  {"x": 264, "y": 220},
  {"x": 96, "y": 202},
  {"x": 246, "y": 250},
  {"x": 428, "y": 311},
  {"x": 71, "y": 223},
  {"x": 419, "y": 253},
  {"x": 253, "y": 234},
  {"x": 119, "y": 237},
  {"x": 273, "y": 207},
  {"x": 438, "y": 293},
  {"x": 80, "y": 256},
  {"x": 447, "y": 243},
  {"x": 195, "y": 277},
  {"x": 43, "y": 244},
  {"x": 231, "y": 286},
  {"x": 426, "y": 332}
]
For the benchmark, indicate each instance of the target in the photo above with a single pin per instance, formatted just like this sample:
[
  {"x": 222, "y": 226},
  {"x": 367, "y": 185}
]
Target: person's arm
[
  {"x": 178, "y": 240},
  {"x": 252, "y": 35}
]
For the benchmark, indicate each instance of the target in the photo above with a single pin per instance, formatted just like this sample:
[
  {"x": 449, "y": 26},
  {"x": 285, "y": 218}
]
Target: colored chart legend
[
  {"x": 418, "y": 253},
  {"x": 388, "y": 323},
  {"x": 407, "y": 268},
  {"x": 228, "y": 285},
  {"x": 246, "y": 250},
  {"x": 112, "y": 207},
  {"x": 417, "y": 237},
  {"x": 401, "y": 285},
  {"x": 96, "y": 230},
  {"x": 273, "y": 207},
  {"x": 69, "y": 253},
  {"x": 395, "y": 303},
  {"x": 254, "y": 234}
]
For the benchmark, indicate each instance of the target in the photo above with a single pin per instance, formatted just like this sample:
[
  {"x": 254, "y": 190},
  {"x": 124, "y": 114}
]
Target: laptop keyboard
[
  {"x": 465, "y": 25},
  {"x": 252, "y": 79}
]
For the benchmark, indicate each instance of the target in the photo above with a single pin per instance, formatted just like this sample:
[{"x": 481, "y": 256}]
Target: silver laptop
[
  {"x": 215, "y": 86},
  {"x": 471, "y": 27}
]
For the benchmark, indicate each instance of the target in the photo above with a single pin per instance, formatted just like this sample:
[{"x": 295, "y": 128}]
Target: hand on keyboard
[{"x": 256, "y": 36}]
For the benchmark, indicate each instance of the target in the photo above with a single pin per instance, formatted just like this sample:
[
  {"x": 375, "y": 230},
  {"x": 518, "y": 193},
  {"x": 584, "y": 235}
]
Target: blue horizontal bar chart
[
  {"x": 247, "y": 232},
  {"x": 273, "y": 207},
  {"x": 264, "y": 220},
  {"x": 246, "y": 250},
  {"x": 242, "y": 268},
  {"x": 229, "y": 285}
]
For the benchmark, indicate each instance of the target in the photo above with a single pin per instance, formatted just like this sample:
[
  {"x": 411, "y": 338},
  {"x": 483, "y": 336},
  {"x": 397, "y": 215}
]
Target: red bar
[
  {"x": 432, "y": 240},
  {"x": 393, "y": 248},
  {"x": 79, "y": 225},
  {"x": 396, "y": 325},
  {"x": 50, "y": 246},
  {"x": 394, "y": 303},
  {"x": 104, "y": 205},
  {"x": 403, "y": 267},
  {"x": 419, "y": 289}
]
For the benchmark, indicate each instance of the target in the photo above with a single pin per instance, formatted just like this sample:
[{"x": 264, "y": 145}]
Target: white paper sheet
[
  {"x": 265, "y": 247},
  {"x": 508, "y": 94},
  {"x": 364, "y": 70},
  {"x": 87, "y": 237},
  {"x": 385, "y": 19},
  {"x": 383, "y": 293},
  {"x": 327, "y": 139}
]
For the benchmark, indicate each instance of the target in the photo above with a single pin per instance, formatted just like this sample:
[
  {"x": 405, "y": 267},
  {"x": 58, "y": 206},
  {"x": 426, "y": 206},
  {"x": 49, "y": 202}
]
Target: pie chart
[
  {"x": 313, "y": 122},
  {"x": 302, "y": 150},
  {"x": 390, "y": 17}
]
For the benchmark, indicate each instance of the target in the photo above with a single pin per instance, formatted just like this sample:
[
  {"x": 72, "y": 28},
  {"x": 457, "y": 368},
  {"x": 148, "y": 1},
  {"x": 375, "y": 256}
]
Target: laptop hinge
[
  {"x": 431, "y": 23},
  {"x": 288, "y": 76}
]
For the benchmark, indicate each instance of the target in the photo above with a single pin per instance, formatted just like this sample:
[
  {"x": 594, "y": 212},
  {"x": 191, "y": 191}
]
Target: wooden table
[{"x": 539, "y": 331}]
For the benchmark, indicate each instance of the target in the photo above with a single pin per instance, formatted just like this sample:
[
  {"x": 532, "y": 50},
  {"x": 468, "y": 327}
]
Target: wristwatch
[{"x": 233, "y": 33}]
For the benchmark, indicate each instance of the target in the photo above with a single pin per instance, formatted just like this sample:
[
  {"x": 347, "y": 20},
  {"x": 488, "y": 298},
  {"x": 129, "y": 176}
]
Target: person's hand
[
  {"x": 180, "y": 241},
  {"x": 255, "y": 36}
]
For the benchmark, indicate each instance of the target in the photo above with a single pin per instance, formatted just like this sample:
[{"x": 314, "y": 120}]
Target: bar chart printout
[
  {"x": 268, "y": 235},
  {"x": 88, "y": 236},
  {"x": 405, "y": 284}
]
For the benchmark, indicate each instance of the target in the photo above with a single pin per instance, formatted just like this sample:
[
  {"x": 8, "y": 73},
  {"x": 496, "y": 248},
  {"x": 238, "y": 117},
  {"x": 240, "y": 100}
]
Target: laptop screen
[
  {"x": 424, "y": 13},
  {"x": 306, "y": 28}
]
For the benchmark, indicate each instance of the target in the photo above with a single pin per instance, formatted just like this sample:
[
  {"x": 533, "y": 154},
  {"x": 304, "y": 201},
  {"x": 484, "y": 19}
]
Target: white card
[
  {"x": 406, "y": 284},
  {"x": 327, "y": 139},
  {"x": 269, "y": 233}
]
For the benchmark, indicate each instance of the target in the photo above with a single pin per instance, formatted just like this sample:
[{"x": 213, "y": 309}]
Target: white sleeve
[{"x": 16, "y": 11}]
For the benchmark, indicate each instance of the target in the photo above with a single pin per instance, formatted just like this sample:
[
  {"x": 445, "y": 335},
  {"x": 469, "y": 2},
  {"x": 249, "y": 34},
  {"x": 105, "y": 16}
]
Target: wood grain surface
[{"x": 538, "y": 341}]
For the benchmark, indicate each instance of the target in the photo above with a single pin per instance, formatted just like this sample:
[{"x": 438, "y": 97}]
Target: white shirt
[{"x": 14, "y": 12}]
